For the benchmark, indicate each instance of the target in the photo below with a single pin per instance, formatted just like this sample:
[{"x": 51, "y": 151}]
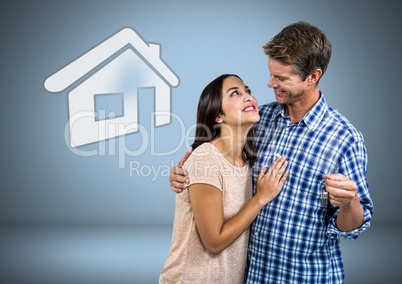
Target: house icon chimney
[{"x": 120, "y": 65}]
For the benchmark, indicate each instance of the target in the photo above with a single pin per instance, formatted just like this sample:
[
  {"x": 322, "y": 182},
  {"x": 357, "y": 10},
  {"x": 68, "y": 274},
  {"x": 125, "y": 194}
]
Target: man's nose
[{"x": 272, "y": 83}]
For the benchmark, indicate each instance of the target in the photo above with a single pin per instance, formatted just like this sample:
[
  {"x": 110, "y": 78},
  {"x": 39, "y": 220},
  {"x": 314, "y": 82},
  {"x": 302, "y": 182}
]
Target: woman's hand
[{"x": 269, "y": 183}]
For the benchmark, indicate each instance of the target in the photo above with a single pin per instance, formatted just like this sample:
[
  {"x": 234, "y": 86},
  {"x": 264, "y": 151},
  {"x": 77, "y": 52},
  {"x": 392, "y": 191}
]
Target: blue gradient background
[{"x": 43, "y": 183}]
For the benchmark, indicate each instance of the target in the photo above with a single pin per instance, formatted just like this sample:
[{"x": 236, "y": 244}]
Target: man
[{"x": 296, "y": 237}]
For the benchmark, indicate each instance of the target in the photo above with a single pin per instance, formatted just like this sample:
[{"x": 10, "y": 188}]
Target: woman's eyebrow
[{"x": 233, "y": 88}]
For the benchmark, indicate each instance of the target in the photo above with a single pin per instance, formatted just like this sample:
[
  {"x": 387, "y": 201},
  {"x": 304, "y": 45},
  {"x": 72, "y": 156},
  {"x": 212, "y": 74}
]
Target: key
[{"x": 324, "y": 201}]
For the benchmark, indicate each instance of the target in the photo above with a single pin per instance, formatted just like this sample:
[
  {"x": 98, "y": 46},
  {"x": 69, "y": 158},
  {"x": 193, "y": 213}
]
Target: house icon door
[{"x": 117, "y": 67}]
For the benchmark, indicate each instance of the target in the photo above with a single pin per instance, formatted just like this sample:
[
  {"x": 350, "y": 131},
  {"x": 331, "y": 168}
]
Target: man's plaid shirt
[{"x": 294, "y": 238}]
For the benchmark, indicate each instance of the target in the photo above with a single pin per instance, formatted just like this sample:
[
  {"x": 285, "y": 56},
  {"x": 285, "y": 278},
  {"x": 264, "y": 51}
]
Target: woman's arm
[{"x": 207, "y": 206}]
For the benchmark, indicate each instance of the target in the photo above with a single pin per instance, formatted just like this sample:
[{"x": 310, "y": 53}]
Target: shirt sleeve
[
  {"x": 354, "y": 166},
  {"x": 204, "y": 168}
]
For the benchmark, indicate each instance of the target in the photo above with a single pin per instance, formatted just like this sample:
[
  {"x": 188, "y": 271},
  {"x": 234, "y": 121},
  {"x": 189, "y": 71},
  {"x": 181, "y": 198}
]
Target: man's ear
[
  {"x": 315, "y": 76},
  {"x": 219, "y": 119}
]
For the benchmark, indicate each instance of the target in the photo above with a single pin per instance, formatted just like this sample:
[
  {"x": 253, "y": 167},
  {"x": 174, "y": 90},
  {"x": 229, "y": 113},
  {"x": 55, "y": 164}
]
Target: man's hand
[
  {"x": 341, "y": 190},
  {"x": 178, "y": 176}
]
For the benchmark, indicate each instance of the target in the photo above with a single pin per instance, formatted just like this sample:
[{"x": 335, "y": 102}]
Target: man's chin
[{"x": 280, "y": 100}]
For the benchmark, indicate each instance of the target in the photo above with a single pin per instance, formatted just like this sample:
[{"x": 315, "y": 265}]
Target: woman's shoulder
[
  {"x": 208, "y": 147},
  {"x": 206, "y": 152}
]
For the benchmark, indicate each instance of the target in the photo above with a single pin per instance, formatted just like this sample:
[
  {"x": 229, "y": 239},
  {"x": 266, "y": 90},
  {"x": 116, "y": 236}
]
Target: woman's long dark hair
[{"x": 209, "y": 107}]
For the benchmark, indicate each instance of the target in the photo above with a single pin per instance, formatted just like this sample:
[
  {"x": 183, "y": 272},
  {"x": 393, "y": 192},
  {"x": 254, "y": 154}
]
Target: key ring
[{"x": 325, "y": 196}]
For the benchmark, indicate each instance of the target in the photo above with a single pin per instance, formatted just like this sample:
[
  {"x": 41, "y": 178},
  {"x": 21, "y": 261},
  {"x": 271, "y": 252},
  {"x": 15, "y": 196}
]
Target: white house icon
[{"x": 121, "y": 65}]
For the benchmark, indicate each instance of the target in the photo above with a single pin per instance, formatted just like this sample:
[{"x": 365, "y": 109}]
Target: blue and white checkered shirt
[{"x": 294, "y": 238}]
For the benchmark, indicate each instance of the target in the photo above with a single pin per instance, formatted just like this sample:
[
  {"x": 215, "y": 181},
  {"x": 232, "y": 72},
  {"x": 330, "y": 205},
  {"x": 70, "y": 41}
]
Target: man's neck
[{"x": 298, "y": 110}]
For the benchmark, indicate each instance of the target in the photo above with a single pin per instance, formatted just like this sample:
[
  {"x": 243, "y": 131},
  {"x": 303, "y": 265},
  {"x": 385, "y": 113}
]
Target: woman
[{"x": 210, "y": 231}]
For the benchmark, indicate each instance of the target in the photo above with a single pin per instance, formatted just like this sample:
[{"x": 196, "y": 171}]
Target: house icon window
[{"x": 116, "y": 68}]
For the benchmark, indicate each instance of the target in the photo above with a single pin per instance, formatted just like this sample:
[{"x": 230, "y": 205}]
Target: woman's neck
[{"x": 231, "y": 143}]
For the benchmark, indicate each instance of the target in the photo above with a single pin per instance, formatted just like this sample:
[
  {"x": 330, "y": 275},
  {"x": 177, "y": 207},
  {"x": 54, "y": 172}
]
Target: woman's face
[{"x": 239, "y": 107}]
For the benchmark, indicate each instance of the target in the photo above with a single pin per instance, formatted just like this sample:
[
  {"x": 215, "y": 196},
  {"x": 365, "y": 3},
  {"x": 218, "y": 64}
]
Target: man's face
[{"x": 288, "y": 85}]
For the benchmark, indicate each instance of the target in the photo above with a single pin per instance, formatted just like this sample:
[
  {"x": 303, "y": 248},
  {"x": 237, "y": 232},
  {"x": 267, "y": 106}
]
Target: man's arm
[{"x": 178, "y": 176}]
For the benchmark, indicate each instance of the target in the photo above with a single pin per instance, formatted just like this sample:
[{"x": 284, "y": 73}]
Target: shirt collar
[
  {"x": 279, "y": 111},
  {"x": 313, "y": 117}
]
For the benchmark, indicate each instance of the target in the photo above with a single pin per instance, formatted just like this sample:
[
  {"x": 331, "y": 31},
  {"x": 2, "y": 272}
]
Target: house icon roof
[{"x": 63, "y": 78}]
